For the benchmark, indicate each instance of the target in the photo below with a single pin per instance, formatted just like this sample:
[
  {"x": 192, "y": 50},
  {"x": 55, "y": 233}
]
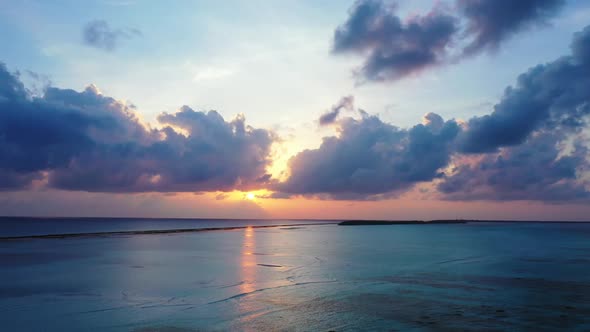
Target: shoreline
[{"x": 150, "y": 232}]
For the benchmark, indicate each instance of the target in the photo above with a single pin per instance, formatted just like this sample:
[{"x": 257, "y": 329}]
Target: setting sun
[{"x": 250, "y": 196}]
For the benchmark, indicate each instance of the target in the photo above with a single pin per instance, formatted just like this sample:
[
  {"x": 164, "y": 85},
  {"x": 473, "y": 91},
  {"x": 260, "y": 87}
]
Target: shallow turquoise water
[{"x": 489, "y": 276}]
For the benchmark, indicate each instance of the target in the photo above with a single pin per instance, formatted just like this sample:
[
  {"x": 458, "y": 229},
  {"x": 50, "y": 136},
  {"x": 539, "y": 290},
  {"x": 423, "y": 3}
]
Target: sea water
[{"x": 472, "y": 277}]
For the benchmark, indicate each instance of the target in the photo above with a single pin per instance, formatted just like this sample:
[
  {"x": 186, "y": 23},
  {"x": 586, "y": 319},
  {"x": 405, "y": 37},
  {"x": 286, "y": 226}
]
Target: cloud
[
  {"x": 551, "y": 95},
  {"x": 370, "y": 157},
  {"x": 490, "y": 22},
  {"x": 221, "y": 196},
  {"x": 535, "y": 170},
  {"x": 11, "y": 88},
  {"x": 91, "y": 142},
  {"x": 99, "y": 34},
  {"x": 531, "y": 147},
  {"x": 12, "y": 180},
  {"x": 330, "y": 116},
  {"x": 533, "y": 142},
  {"x": 394, "y": 48}
]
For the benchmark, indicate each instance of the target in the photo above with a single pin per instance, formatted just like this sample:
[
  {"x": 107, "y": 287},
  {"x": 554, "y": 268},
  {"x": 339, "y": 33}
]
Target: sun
[{"x": 250, "y": 196}]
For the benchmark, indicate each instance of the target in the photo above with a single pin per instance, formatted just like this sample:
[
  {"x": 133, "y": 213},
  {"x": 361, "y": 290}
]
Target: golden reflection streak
[{"x": 248, "y": 261}]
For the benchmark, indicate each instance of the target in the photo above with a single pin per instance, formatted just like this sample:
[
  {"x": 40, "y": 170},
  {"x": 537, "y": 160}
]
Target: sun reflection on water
[{"x": 248, "y": 261}]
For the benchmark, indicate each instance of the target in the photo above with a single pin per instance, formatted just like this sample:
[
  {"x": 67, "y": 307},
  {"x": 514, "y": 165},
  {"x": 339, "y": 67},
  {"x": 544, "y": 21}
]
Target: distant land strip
[
  {"x": 447, "y": 221},
  {"x": 401, "y": 222},
  {"x": 150, "y": 232}
]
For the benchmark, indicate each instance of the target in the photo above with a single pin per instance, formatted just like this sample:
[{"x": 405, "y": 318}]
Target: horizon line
[{"x": 297, "y": 219}]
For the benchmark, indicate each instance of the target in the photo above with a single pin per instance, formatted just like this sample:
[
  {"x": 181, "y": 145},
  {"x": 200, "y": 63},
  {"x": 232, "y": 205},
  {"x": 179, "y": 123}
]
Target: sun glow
[{"x": 251, "y": 196}]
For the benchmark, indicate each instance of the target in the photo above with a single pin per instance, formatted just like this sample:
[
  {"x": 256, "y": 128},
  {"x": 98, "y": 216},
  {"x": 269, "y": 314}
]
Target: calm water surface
[{"x": 488, "y": 276}]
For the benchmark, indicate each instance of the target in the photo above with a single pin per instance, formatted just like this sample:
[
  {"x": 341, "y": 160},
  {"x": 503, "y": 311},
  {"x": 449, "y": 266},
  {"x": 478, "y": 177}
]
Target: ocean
[{"x": 314, "y": 277}]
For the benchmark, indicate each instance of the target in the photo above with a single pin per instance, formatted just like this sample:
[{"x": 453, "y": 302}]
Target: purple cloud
[
  {"x": 552, "y": 96},
  {"x": 534, "y": 170},
  {"x": 91, "y": 142},
  {"x": 394, "y": 48},
  {"x": 520, "y": 146},
  {"x": 490, "y": 22},
  {"x": 329, "y": 117},
  {"x": 370, "y": 157}
]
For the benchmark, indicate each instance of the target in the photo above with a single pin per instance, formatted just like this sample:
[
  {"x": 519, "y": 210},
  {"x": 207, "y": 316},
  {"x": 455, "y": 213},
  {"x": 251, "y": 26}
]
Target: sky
[{"x": 367, "y": 109}]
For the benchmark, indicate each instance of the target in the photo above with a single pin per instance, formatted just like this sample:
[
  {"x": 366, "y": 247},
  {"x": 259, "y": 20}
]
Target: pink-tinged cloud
[
  {"x": 522, "y": 141},
  {"x": 531, "y": 147},
  {"x": 369, "y": 158},
  {"x": 90, "y": 142}
]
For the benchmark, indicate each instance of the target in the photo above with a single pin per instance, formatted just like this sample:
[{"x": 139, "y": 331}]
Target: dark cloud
[
  {"x": 552, "y": 95},
  {"x": 533, "y": 139},
  {"x": 535, "y": 170},
  {"x": 12, "y": 180},
  {"x": 581, "y": 46},
  {"x": 490, "y": 22},
  {"x": 370, "y": 157},
  {"x": 99, "y": 34},
  {"x": 393, "y": 49},
  {"x": 329, "y": 117},
  {"x": 91, "y": 142},
  {"x": 530, "y": 147},
  {"x": 11, "y": 88}
]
